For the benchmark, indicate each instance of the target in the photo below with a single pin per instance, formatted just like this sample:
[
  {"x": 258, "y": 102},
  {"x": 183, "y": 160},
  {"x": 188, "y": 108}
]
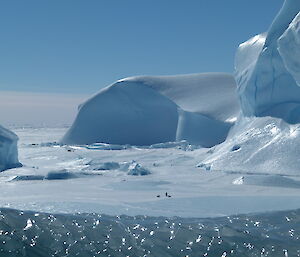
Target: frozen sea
[
  {"x": 120, "y": 179},
  {"x": 118, "y": 200}
]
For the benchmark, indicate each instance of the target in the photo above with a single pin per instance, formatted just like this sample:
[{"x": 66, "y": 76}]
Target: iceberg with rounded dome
[{"x": 198, "y": 108}]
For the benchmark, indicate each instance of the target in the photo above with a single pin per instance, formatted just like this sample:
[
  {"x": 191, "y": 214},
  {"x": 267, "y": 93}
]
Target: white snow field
[
  {"x": 176, "y": 145},
  {"x": 8, "y": 149},
  {"x": 150, "y": 110},
  {"x": 120, "y": 179}
]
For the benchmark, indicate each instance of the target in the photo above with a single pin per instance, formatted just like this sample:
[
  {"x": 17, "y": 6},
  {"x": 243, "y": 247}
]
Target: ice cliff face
[
  {"x": 8, "y": 149},
  {"x": 289, "y": 48},
  {"x": 267, "y": 137},
  {"x": 267, "y": 77},
  {"x": 198, "y": 108}
]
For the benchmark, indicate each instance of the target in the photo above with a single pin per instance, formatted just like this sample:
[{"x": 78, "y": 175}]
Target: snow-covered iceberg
[
  {"x": 266, "y": 138},
  {"x": 8, "y": 149},
  {"x": 265, "y": 84},
  {"x": 198, "y": 108}
]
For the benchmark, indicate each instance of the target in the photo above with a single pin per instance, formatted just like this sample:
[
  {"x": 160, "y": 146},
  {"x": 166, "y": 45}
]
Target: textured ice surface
[
  {"x": 8, "y": 149},
  {"x": 265, "y": 85},
  {"x": 150, "y": 110},
  {"x": 258, "y": 146},
  {"x": 289, "y": 48}
]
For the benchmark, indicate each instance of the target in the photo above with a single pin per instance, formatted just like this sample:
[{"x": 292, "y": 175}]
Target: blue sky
[{"x": 79, "y": 46}]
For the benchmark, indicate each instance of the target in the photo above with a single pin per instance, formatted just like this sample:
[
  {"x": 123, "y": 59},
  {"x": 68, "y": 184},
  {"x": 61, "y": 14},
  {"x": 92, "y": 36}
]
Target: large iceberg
[
  {"x": 266, "y": 138},
  {"x": 265, "y": 85},
  {"x": 199, "y": 108},
  {"x": 8, "y": 149}
]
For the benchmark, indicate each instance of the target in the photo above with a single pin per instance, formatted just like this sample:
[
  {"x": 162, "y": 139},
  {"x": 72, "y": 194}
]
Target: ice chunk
[
  {"x": 28, "y": 225},
  {"x": 28, "y": 177},
  {"x": 135, "y": 169},
  {"x": 8, "y": 149},
  {"x": 60, "y": 174},
  {"x": 104, "y": 166},
  {"x": 239, "y": 181},
  {"x": 267, "y": 181}
]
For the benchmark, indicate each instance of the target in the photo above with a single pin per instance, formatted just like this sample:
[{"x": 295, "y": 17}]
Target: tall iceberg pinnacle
[
  {"x": 266, "y": 138},
  {"x": 266, "y": 86}
]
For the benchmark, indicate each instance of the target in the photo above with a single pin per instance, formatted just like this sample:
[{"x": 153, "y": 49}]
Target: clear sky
[{"x": 79, "y": 46}]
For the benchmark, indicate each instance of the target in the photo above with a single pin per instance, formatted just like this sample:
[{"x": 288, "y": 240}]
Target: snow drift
[
  {"x": 265, "y": 85},
  {"x": 150, "y": 110},
  {"x": 258, "y": 146},
  {"x": 8, "y": 149}
]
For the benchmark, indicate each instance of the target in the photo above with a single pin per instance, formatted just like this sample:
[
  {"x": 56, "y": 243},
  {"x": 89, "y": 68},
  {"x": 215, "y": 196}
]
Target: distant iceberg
[
  {"x": 8, "y": 149},
  {"x": 199, "y": 108}
]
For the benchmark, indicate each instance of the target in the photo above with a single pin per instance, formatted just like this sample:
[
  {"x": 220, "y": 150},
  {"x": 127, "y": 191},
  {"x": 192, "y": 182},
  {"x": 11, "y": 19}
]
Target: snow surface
[
  {"x": 263, "y": 145},
  {"x": 150, "y": 110},
  {"x": 105, "y": 178},
  {"x": 265, "y": 86},
  {"x": 8, "y": 149}
]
